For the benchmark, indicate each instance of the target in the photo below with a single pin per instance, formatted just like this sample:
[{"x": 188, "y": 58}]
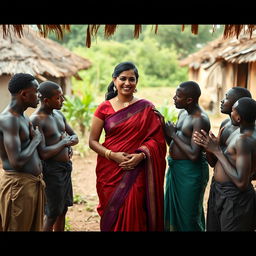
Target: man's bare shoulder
[
  {"x": 201, "y": 120},
  {"x": 58, "y": 113},
  {"x": 226, "y": 122},
  {"x": 39, "y": 118},
  {"x": 201, "y": 115},
  {"x": 246, "y": 141},
  {"x": 9, "y": 120}
]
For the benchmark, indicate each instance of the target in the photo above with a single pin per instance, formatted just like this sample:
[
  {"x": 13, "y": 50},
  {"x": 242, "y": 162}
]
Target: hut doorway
[{"x": 242, "y": 75}]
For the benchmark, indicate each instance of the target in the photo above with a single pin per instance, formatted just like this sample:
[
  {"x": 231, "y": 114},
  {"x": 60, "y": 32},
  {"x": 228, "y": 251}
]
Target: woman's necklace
[{"x": 125, "y": 104}]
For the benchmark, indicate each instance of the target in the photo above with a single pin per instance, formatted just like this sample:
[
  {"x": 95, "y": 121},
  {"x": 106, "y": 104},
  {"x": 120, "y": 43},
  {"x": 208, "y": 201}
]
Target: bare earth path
[{"x": 84, "y": 216}]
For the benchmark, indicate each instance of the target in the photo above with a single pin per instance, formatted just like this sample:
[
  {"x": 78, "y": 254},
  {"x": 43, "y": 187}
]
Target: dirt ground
[{"x": 83, "y": 216}]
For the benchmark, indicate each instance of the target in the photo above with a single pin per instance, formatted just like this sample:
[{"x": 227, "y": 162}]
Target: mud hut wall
[
  {"x": 200, "y": 76},
  {"x": 4, "y": 92},
  {"x": 229, "y": 80},
  {"x": 64, "y": 82},
  {"x": 252, "y": 79}
]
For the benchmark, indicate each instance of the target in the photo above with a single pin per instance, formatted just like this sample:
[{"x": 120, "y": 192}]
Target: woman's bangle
[
  {"x": 107, "y": 153},
  {"x": 144, "y": 155}
]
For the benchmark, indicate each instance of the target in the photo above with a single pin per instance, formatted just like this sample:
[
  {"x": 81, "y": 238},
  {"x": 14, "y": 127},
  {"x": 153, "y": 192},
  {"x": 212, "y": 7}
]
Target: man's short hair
[
  {"x": 246, "y": 108},
  {"x": 240, "y": 92},
  {"x": 19, "y": 82},
  {"x": 47, "y": 89},
  {"x": 191, "y": 89}
]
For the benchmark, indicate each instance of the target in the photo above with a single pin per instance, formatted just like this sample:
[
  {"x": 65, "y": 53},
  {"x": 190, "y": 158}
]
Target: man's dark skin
[
  {"x": 191, "y": 119},
  {"x": 18, "y": 138},
  {"x": 57, "y": 141},
  {"x": 226, "y": 129},
  {"x": 238, "y": 161}
]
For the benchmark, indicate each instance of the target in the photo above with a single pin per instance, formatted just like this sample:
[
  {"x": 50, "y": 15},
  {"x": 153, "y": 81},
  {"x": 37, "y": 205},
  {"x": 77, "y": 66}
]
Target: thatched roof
[
  {"x": 234, "y": 50},
  {"x": 38, "y": 56},
  {"x": 230, "y": 30}
]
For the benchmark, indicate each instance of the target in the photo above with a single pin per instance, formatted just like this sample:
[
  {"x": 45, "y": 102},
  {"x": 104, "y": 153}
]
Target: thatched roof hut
[
  {"x": 230, "y": 30},
  {"x": 234, "y": 50},
  {"x": 41, "y": 57},
  {"x": 222, "y": 64},
  {"x": 38, "y": 56}
]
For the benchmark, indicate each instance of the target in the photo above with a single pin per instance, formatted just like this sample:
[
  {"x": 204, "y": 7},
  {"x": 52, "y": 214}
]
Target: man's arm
[
  {"x": 72, "y": 135},
  {"x": 211, "y": 158},
  {"x": 240, "y": 174},
  {"x": 18, "y": 156},
  {"x": 46, "y": 152}
]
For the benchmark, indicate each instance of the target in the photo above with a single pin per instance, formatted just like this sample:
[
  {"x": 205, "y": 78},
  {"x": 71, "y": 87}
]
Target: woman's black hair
[{"x": 121, "y": 67}]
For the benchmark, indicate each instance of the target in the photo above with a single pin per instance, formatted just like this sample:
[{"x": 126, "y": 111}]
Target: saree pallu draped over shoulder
[{"x": 132, "y": 200}]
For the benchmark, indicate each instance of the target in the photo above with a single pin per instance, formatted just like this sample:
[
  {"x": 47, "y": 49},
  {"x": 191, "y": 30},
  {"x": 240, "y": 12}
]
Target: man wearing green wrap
[{"x": 188, "y": 171}]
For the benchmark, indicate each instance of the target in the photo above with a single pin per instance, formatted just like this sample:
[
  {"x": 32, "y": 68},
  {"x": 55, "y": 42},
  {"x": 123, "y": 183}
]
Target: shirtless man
[
  {"x": 231, "y": 204},
  {"x": 226, "y": 127},
  {"x": 55, "y": 151},
  {"x": 188, "y": 171},
  {"x": 21, "y": 186}
]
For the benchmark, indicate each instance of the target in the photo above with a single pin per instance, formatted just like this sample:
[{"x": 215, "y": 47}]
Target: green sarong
[{"x": 184, "y": 191}]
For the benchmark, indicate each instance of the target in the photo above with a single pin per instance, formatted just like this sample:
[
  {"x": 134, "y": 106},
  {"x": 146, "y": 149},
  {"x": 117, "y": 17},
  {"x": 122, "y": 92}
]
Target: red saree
[{"x": 132, "y": 200}]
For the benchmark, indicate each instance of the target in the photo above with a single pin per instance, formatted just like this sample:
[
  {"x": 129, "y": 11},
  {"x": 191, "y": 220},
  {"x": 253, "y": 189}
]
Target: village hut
[
  {"x": 38, "y": 56},
  {"x": 221, "y": 65}
]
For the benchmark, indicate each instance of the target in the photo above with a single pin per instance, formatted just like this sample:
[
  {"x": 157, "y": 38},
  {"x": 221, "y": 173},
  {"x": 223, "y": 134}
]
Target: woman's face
[{"x": 126, "y": 82}]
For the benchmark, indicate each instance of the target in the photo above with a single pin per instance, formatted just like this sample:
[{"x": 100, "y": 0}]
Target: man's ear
[
  {"x": 23, "y": 93},
  {"x": 45, "y": 100},
  {"x": 189, "y": 100}
]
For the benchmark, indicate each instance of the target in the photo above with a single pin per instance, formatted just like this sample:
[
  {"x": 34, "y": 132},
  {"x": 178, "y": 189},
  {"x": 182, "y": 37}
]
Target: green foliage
[
  {"x": 74, "y": 38},
  {"x": 79, "y": 199},
  {"x": 79, "y": 108},
  {"x": 67, "y": 224},
  {"x": 184, "y": 42},
  {"x": 170, "y": 113},
  {"x": 156, "y": 55},
  {"x": 157, "y": 66},
  {"x": 168, "y": 36}
]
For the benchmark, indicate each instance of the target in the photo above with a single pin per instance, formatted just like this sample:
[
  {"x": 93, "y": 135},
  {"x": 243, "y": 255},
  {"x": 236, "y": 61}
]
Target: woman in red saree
[{"x": 131, "y": 162}]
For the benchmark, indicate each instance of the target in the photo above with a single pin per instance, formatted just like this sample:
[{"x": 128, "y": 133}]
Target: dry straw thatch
[
  {"x": 233, "y": 50},
  {"x": 230, "y": 30},
  {"x": 24, "y": 50}
]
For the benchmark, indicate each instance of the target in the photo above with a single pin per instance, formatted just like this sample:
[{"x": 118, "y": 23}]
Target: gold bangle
[{"x": 107, "y": 153}]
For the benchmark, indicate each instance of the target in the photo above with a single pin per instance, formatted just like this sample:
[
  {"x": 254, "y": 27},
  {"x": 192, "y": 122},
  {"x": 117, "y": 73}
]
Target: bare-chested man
[
  {"x": 55, "y": 151},
  {"x": 231, "y": 204},
  {"x": 188, "y": 171},
  {"x": 22, "y": 186},
  {"x": 226, "y": 127}
]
